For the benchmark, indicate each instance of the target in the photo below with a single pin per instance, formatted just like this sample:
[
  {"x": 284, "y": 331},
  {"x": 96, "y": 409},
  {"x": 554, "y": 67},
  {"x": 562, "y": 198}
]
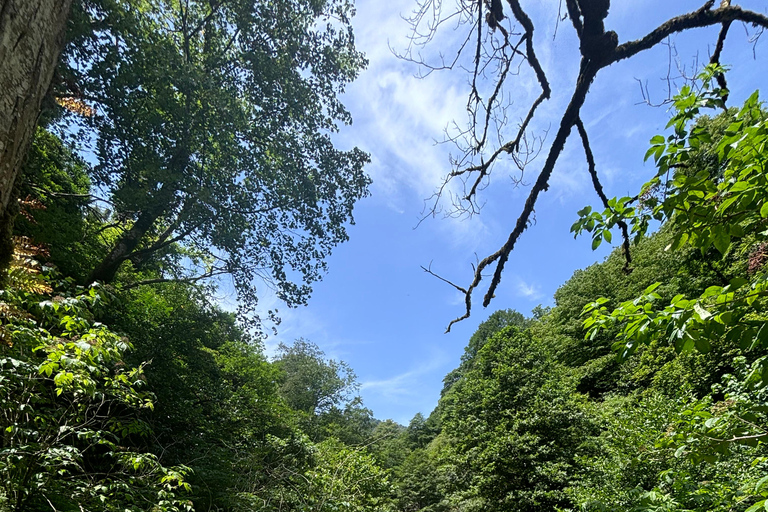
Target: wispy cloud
[
  {"x": 303, "y": 322},
  {"x": 528, "y": 290},
  {"x": 400, "y": 118},
  {"x": 406, "y": 385}
]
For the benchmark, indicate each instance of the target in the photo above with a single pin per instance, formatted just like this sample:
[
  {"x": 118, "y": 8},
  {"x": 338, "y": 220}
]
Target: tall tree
[
  {"x": 31, "y": 38},
  {"x": 516, "y": 425},
  {"x": 495, "y": 323},
  {"x": 212, "y": 123},
  {"x": 310, "y": 383}
]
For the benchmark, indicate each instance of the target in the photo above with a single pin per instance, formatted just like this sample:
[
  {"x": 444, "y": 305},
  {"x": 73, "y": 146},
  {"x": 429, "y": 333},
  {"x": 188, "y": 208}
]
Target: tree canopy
[{"x": 220, "y": 161}]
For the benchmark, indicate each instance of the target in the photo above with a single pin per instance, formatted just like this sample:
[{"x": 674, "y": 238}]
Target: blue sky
[{"x": 376, "y": 309}]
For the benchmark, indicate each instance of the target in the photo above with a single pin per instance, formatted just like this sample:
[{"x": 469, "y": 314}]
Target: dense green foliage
[
  {"x": 612, "y": 401},
  {"x": 71, "y": 410},
  {"x": 515, "y": 429},
  {"x": 641, "y": 391},
  {"x": 218, "y": 161},
  {"x": 188, "y": 414},
  {"x": 210, "y": 125}
]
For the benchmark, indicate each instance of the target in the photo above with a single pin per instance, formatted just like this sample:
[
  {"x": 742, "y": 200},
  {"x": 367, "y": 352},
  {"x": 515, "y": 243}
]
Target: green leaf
[
  {"x": 712, "y": 291},
  {"x": 679, "y": 240},
  {"x": 736, "y": 283},
  {"x": 703, "y": 313},
  {"x": 722, "y": 242},
  {"x": 760, "y": 483},
  {"x": 703, "y": 345},
  {"x": 726, "y": 318},
  {"x": 739, "y": 186},
  {"x": 651, "y": 288}
]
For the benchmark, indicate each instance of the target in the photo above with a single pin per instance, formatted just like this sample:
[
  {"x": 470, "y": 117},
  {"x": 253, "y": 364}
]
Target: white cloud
[
  {"x": 528, "y": 290},
  {"x": 399, "y": 118},
  {"x": 406, "y": 385}
]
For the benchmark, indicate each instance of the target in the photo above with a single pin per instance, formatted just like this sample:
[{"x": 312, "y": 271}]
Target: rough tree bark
[{"x": 32, "y": 35}]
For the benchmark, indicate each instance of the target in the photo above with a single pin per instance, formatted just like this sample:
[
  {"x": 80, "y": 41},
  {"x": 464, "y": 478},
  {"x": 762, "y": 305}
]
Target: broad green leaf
[
  {"x": 712, "y": 291},
  {"x": 703, "y": 313},
  {"x": 761, "y": 483},
  {"x": 703, "y": 345},
  {"x": 736, "y": 283},
  {"x": 722, "y": 242},
  {"x": 651, "y": 288}
]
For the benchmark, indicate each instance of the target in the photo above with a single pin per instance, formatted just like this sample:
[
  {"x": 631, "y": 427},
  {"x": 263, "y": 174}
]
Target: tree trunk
[
  {"x": 32, "y": 35},
  {"x": 125, "y": 246}
]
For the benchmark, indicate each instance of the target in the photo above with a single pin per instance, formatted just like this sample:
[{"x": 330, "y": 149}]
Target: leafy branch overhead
[
  {"x": 497, "y": 51},
  {"x": 221, "y": 160},
  {"x": 721, "y": 207}
]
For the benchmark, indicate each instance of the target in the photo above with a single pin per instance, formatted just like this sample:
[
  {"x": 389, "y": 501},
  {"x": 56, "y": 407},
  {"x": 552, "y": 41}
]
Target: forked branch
[{"x": 599, "y": 49}]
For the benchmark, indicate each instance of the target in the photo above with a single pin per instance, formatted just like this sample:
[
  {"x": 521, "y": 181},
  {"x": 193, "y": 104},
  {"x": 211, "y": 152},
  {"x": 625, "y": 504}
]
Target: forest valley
[{"x": 125, "y": 387}]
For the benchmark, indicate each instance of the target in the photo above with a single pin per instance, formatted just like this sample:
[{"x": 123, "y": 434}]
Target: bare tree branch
[
  {"x": 500, "y": 257},
  {"x": 703, "y": 17},
  {"x": 715, "y": 59},
  {"x": 574, "y": 14},
  {"x": 428, "y": 270},
  {"x": 599, "y": 49},
  {"x": 601, "y": 194}
]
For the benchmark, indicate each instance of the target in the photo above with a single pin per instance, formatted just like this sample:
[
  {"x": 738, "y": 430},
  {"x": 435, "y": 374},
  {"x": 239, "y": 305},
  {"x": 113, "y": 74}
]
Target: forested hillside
[
  {"x": 151, "y": 397},
  {"x": 640, "y": 389},
  {"x": 125, "y": 385}
]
